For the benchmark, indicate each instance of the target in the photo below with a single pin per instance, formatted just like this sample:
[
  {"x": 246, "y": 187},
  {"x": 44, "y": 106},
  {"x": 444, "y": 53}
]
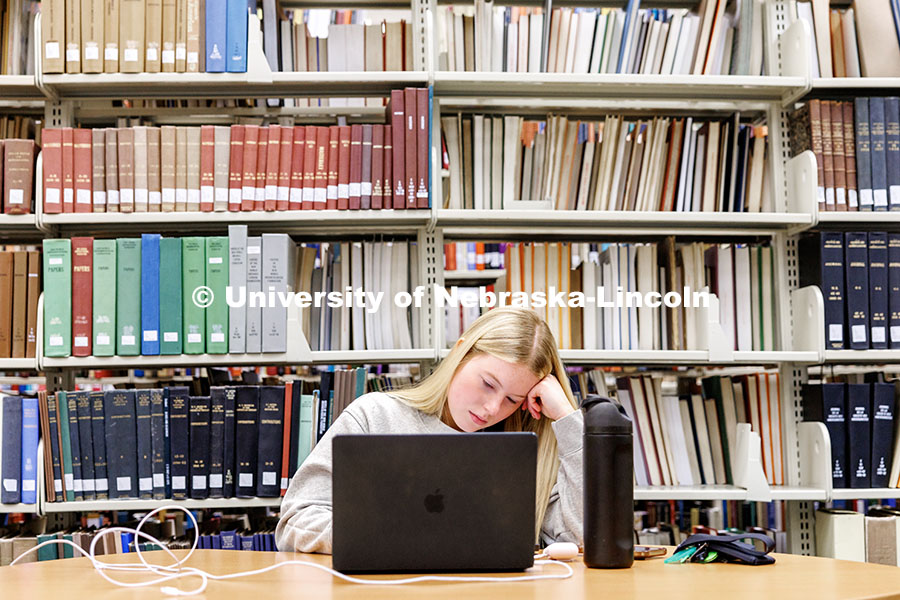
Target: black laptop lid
[{"x": 433, "y": 502}]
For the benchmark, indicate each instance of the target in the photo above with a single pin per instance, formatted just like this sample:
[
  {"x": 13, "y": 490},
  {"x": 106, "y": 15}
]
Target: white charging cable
[{"x": 178, "y": 569}]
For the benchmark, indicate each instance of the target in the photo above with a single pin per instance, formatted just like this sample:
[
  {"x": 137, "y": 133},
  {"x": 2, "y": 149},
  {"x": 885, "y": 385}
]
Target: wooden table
[{"x": 792, "y": 577}]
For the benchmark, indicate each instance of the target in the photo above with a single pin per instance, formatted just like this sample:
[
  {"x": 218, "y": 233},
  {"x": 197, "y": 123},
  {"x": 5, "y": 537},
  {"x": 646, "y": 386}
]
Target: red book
[
  {"x": 52, "y": 158},
  {"x": 344, "y": 167},
  {"x": 377, "y": 165},
  {"x": 450, "y": 256},
  {"x": 288, "y": 430},
  {"x": 262, "y": 155},
  {"x": 285, "y": 154},
  {"x": 355, "y": 165},
  {"x": 423, "y": 161},
  {"x": 388, "y": 167},
  {"x": 299, "y": 149},
  {"x": 68, "y": 169},
  {"x": 410, "y": 149},
  {"x": 236, "y": 168},
  {"x": 321, "y": 189},
  {"x": 398, "y": 137},
  {"x": 207, "y": 167},
  {"x": 309, "y": 168},
  {"x": 331, "y": 189},
  {"x": 273, "y": 163},
  {"x": 248, "y": 175},
  {"x": 82, "y": 294},
  {"x": 365, "y": 184},
  {"x": 83, "y": 166}
]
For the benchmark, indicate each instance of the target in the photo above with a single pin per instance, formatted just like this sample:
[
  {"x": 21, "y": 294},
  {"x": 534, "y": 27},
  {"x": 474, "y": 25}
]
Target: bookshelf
[
  {"x": 129, "y": 504},
  {"x": 797, "y": 312}
]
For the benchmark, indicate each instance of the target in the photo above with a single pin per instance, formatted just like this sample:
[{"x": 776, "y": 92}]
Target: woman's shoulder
[{"x": 375, "y": 408}]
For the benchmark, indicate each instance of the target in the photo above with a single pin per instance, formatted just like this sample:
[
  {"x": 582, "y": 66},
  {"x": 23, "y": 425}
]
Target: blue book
[
  {"x": 892, "y": 149},
  {"x": 10, "y": 449},
  {"x": 98, "y": 438},
  {"x": 198, "y": 418},
  {"x": 179, "y": 436},
  {"x": 217, "y": 442},
  {"x": 246, "y": 440},
  {"x": 631, "y": 18},
  {"x": 157, "y": 443},
  {"x": 236, "y": 36},
  {"x": 121, "y": 435},
  {"x": 247, "y": 542},
  {"x": 878, "y": 289},
  {"x": 894, "y": 289},
  {"x": 29, "y": 450},
  {"x": 826, "y": 404},
  {"x": 150, "y": 294},
  {"x": 86, "y": 444},
  {"x": 859, "y": 435},
  {"x": 167, "y": 446},
  {"x": 878, "y": 153},
  {"x": 857, "y": 288},
  {"x": 144, "y": 444},
  {"x": 863, "y": 153},
  {"x": 882, "y": 414},
  {"x": 215, "y": 36},
  {"x": 230, "y": 540}
]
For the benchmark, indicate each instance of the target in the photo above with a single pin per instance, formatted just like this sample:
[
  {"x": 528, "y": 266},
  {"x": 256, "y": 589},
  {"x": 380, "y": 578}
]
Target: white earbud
[{"x": 562, "y": 550}]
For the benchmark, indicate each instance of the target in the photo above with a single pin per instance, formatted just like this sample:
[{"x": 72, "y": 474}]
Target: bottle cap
[{"x": 602, "y": 415}]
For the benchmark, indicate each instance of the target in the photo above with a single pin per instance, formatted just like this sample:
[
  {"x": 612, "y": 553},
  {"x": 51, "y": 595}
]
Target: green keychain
[{"x": 682, "y": 556}]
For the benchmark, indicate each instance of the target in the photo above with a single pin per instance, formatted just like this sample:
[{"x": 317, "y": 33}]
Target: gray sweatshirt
[{"x": 305, "y": 524}]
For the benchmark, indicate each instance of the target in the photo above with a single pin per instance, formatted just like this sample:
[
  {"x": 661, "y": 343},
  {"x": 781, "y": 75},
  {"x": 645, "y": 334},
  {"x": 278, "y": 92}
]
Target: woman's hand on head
[{"x": 547, "y": 398}]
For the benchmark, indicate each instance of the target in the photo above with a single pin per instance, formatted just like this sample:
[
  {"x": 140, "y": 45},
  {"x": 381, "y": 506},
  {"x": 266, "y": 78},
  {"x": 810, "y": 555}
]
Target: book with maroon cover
[
  {"x": 236, "y": 168},
  {"x": 168, "y": 170},
  {"x": 19, "y": 303},
  {"x": 288, "y": 432},
  {"x": 410, "y": 148},
  {"x": 207, "y": 167},
  {"x": 52, "y": 158},
  {"x": 377, "y": 166},
  {"x": 837, "y": 145},
  {"x": 398, "y": 136},
  {"x": 331, "y": 188},
  {"x": 18, "y": 176},
  {"x": 125, "y": 146},
  {"x": 83, "y": 166},
  {"x": 112, "y": 169},
  {"x": 828, "y": 153},
  {"x": 98, "y": 160},
  {"x": 68, "y": 169},
  {"x": 355, "y": 166},
  {"x": 82, "y": 295},
  {"x": 273, "y": 163},
  {"x": 34, "y": 292},
  {"x": 365, "y": 182},
  {"x": 321, "y": 164},
  {"x": 297, "y": 154},
  {"x": 6, "y": 300},
  {"x": 262, "y": 155},
  {"x": 309, "y": 168},
  {"x": 154, "y": 170},
  {"x": 387, "y": 193},
  {"x": 285, "y": 157},
  {"x": 248, "y": 175},
  {"x": 422, "y": 161},
  {"x": 343, "y": 189},
  {"x": 850, "y": 155}
]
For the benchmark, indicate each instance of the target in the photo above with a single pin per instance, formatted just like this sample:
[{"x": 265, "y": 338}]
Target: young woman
[{"x": 505, "y": 372}]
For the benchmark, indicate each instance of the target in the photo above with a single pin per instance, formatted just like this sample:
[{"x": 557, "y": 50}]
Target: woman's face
[{"x": 486, "y": 390}]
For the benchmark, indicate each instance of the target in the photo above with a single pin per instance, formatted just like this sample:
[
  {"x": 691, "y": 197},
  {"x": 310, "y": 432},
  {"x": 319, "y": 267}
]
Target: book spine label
[
  {"x": 121, "y": 434},
  {"x": 128, "y": 296},
  {"x": 82, "y": 295},
  {"x": 144, "y": 426},
  {"x": 157, "y": 444},
  {"x": 216, "y": 442},
  {"x": 246, "y": 440},
  {"x": 104, "y": 302},
  {"x": 857, "y": 289},
  {"x": 57, "y": 297},
  {"x": 217, "y": 265},
  {"x": 199, "y": 423},
  {"x": 193, "y": 269},
  {"x": 271, "y": 423},
  {"x": 170, "y": 297},
  {"x": 179, "y": 440},
  {"x": 150, "y": 270},
  {"x": 878, "y": 289}
]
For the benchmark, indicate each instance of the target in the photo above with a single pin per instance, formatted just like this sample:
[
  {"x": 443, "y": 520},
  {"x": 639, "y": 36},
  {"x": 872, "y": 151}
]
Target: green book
[
  {"x": 170, "y": 296},
  {"x": 67, "y": 550},
  {"x": 104, "y": 303},
  {"x": 66, "y": 442},
  {"x": 128, "y": 296},
  {"x": 57, "y": 298},
  {"x": 50, "y": 551},
  {"x": 217, "y": 250},
  {"x": 193, "y": 275}
]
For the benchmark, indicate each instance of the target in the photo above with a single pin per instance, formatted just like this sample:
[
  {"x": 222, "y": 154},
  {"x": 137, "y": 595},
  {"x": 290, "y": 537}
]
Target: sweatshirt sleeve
[
  {"x": 563, "y": 521},
  {"x": 305, "y": 523}
]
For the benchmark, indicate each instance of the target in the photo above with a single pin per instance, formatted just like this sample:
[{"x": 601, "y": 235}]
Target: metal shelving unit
[{"x": 129, "y": 504}]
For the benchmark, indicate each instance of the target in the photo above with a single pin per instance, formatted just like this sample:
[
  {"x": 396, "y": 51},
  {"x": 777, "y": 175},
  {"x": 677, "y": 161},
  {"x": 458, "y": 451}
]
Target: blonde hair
[{"x": 518, "y": 336}]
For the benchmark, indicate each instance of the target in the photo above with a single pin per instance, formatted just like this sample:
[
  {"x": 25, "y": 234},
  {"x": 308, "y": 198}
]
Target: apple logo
[{"x": 434, "y": 503}]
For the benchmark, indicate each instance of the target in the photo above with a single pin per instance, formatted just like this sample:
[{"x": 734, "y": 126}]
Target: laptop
[{"x": 433, "y": 502}]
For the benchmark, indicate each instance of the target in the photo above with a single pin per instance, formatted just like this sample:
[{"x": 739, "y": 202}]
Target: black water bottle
[{"x": 608, "y": 485}]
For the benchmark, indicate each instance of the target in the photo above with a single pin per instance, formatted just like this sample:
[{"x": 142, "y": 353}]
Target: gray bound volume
[
  {"x": 275, "y": 269},
  {"x": 237, "y": 279},
  {"x": 254, "y": 284}
]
